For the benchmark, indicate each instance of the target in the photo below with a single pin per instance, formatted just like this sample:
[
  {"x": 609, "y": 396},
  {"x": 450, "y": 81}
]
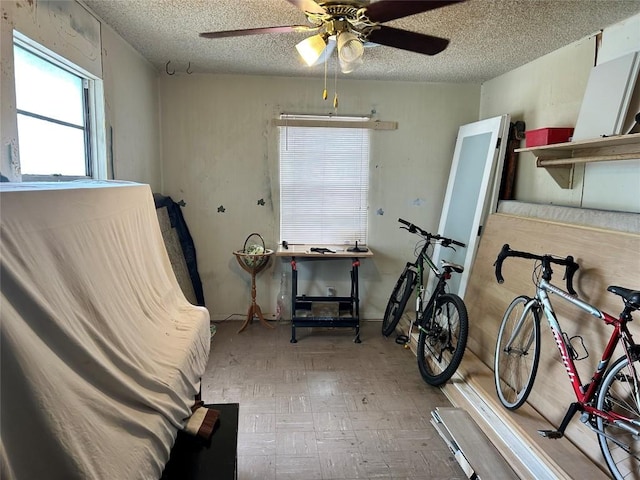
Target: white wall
[
  {"x": 220, "y": 149},
  {"x": 548, "y": 92}
]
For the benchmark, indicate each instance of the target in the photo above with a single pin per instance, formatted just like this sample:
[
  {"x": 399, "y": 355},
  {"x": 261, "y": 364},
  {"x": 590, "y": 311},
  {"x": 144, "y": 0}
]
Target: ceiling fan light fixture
[
  {"x": 348, "y": 67},
  {"x": 311, "y": 49},
  {"x": 350, "y": 48}
]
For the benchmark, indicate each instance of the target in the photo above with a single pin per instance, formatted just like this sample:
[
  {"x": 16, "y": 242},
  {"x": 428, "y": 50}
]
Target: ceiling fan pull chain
[
  {"x": 324, "y": 92},
  {"x": 335, "y": 86}
]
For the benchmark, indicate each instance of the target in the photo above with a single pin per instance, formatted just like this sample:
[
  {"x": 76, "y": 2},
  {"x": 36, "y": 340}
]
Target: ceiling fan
[{"x": 352, "y": 24}]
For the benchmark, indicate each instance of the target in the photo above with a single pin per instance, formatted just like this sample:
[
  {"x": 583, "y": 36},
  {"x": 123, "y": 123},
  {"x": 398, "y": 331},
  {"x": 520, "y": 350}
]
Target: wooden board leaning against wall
[{"x": 605, "y": 258}]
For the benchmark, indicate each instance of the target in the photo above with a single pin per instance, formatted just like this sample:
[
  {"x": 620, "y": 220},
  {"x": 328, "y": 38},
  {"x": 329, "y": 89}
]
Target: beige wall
[
  {"x": 544, "y": 93},
  {"x": 207, "y": 140},
  {"x": 9, "y": 164},
  {"x": 132, "y": 114},
  {"x": 130, "y": 84},
  {"x": 221, "y": 150},
  {"x": 548, "y": 92}
]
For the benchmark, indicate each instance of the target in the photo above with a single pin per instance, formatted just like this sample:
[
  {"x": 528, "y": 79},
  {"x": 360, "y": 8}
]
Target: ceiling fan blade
[
  {"x": 259, "y": 31},
  {"x": 406, "y": 40},
  {"x": 386, "y": 10},
  {"x": 308, "y": 6}
]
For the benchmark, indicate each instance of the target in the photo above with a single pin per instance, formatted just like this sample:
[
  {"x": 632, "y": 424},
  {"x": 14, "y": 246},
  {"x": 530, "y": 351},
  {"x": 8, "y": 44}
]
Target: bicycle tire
[
  {"x": 398, "y": 301},
  {"x": 616, "y": 392},
  {"x": 515, "y": 368},
  {"x": 441, "y": 343}
]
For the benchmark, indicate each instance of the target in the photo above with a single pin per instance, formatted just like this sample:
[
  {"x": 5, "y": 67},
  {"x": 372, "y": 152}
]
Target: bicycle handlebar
[
  {"x": 571, "y": 267},
  {"x": 444, "y": 241}
]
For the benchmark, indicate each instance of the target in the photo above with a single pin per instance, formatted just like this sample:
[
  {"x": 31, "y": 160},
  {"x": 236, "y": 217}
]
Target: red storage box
[{"x": 546, "y": 136}]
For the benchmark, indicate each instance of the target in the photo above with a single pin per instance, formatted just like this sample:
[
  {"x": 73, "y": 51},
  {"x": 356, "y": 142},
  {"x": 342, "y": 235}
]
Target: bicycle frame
[
  {"x": 586, "y": 394},
  {"x": 443, "y": 276}
]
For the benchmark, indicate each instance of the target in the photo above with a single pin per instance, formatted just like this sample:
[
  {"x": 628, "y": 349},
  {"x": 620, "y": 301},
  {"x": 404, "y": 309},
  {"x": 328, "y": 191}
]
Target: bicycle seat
[
  {"x": 631, "y": 296},
  {"x": 453, "y": 266}
]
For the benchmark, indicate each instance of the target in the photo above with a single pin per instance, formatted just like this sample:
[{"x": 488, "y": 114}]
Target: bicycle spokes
[
  {"x": 438, "y": 328},
  {"x": 618, "y": 425},
  {"x": 624, "y": 399},
  {"x": 632, "y": 378}
]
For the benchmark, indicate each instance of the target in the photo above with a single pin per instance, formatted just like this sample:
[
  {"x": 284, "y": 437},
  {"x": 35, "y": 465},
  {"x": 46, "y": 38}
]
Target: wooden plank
[
  {"x": 593, "y": 143},
  {"x": 605, "y": 258},
  {"x": 466, "y": 467},
  {"x": 482, "y": 456},
  {"x": 369, "y": 124},
  {"x": 555, "y": 162},
  {"x": 336, "y": 251}
]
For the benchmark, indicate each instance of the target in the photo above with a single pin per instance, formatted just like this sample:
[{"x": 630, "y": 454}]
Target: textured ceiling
[{"x": 488, "y": 37}]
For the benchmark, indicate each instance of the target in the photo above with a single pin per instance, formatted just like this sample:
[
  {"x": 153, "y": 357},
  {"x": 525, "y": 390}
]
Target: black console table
[{"x": 194, "y": 459}]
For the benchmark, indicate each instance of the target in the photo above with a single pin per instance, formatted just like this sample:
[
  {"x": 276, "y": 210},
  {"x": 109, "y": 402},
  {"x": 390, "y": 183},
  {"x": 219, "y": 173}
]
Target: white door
[{"x": 472, "y": 192}]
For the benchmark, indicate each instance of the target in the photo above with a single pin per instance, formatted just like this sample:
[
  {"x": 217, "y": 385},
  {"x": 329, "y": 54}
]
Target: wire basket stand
[{"x": 253, "y": 263}]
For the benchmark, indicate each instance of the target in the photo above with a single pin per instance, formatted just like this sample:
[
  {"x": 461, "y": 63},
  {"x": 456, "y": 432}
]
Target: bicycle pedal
[
  {"x": 402, "y": 339},
  {"x": 553, "y": 434}
]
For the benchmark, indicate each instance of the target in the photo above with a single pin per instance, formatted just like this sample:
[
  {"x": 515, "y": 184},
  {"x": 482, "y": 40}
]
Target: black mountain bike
[{"x": 443, "y": 323}]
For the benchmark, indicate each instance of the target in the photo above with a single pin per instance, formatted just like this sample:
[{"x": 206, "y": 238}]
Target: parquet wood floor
[{"x": 325, "y": 407}]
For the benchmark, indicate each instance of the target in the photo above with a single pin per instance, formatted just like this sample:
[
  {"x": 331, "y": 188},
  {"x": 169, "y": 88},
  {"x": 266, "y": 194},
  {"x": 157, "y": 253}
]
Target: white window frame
[
  {"x": 313, "y": 153},
  {"x": 94, "y": 104}
]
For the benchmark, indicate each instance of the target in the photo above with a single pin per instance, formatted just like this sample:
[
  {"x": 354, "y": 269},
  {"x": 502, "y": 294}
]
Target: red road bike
[{"x": 610, "y": 402}]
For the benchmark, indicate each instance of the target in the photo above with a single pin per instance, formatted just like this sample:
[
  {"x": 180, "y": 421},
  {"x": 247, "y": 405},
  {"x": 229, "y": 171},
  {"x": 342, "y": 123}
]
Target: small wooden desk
[{"x": 302, "y": 311}]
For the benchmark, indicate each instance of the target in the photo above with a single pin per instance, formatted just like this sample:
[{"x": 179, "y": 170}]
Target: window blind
[{"x": 324, "y": 182}]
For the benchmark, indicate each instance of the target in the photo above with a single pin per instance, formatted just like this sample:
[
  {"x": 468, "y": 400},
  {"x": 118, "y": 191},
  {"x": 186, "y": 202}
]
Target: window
[
  {"x": 55, "y": 111},
  {"x": 324, "y": 182}
]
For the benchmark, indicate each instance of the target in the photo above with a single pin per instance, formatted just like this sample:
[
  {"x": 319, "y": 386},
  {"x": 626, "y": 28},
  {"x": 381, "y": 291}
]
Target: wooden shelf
[{"x": 560, "y": 158}]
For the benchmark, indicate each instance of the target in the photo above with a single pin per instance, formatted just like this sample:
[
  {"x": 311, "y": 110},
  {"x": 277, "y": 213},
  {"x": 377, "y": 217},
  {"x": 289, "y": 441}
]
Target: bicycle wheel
[
  {"x": 398, "y": 301},
  {"x": 517, "y": 352},
  {"x": 442, "y": 339},
  {"x": 618, "y": 393}
]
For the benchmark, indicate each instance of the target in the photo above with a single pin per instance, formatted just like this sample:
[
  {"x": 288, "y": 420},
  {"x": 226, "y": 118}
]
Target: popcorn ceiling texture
[{"x": 488, "y": 37}]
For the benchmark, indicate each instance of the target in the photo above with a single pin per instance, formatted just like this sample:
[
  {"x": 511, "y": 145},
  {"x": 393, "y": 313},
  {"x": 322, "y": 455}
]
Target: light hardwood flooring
[{"x": 326, "y": 407}]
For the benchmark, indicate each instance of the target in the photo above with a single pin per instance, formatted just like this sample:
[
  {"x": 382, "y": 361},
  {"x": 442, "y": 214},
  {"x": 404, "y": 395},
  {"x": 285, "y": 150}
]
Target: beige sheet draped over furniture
[{"x": 101, "y": 354}]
